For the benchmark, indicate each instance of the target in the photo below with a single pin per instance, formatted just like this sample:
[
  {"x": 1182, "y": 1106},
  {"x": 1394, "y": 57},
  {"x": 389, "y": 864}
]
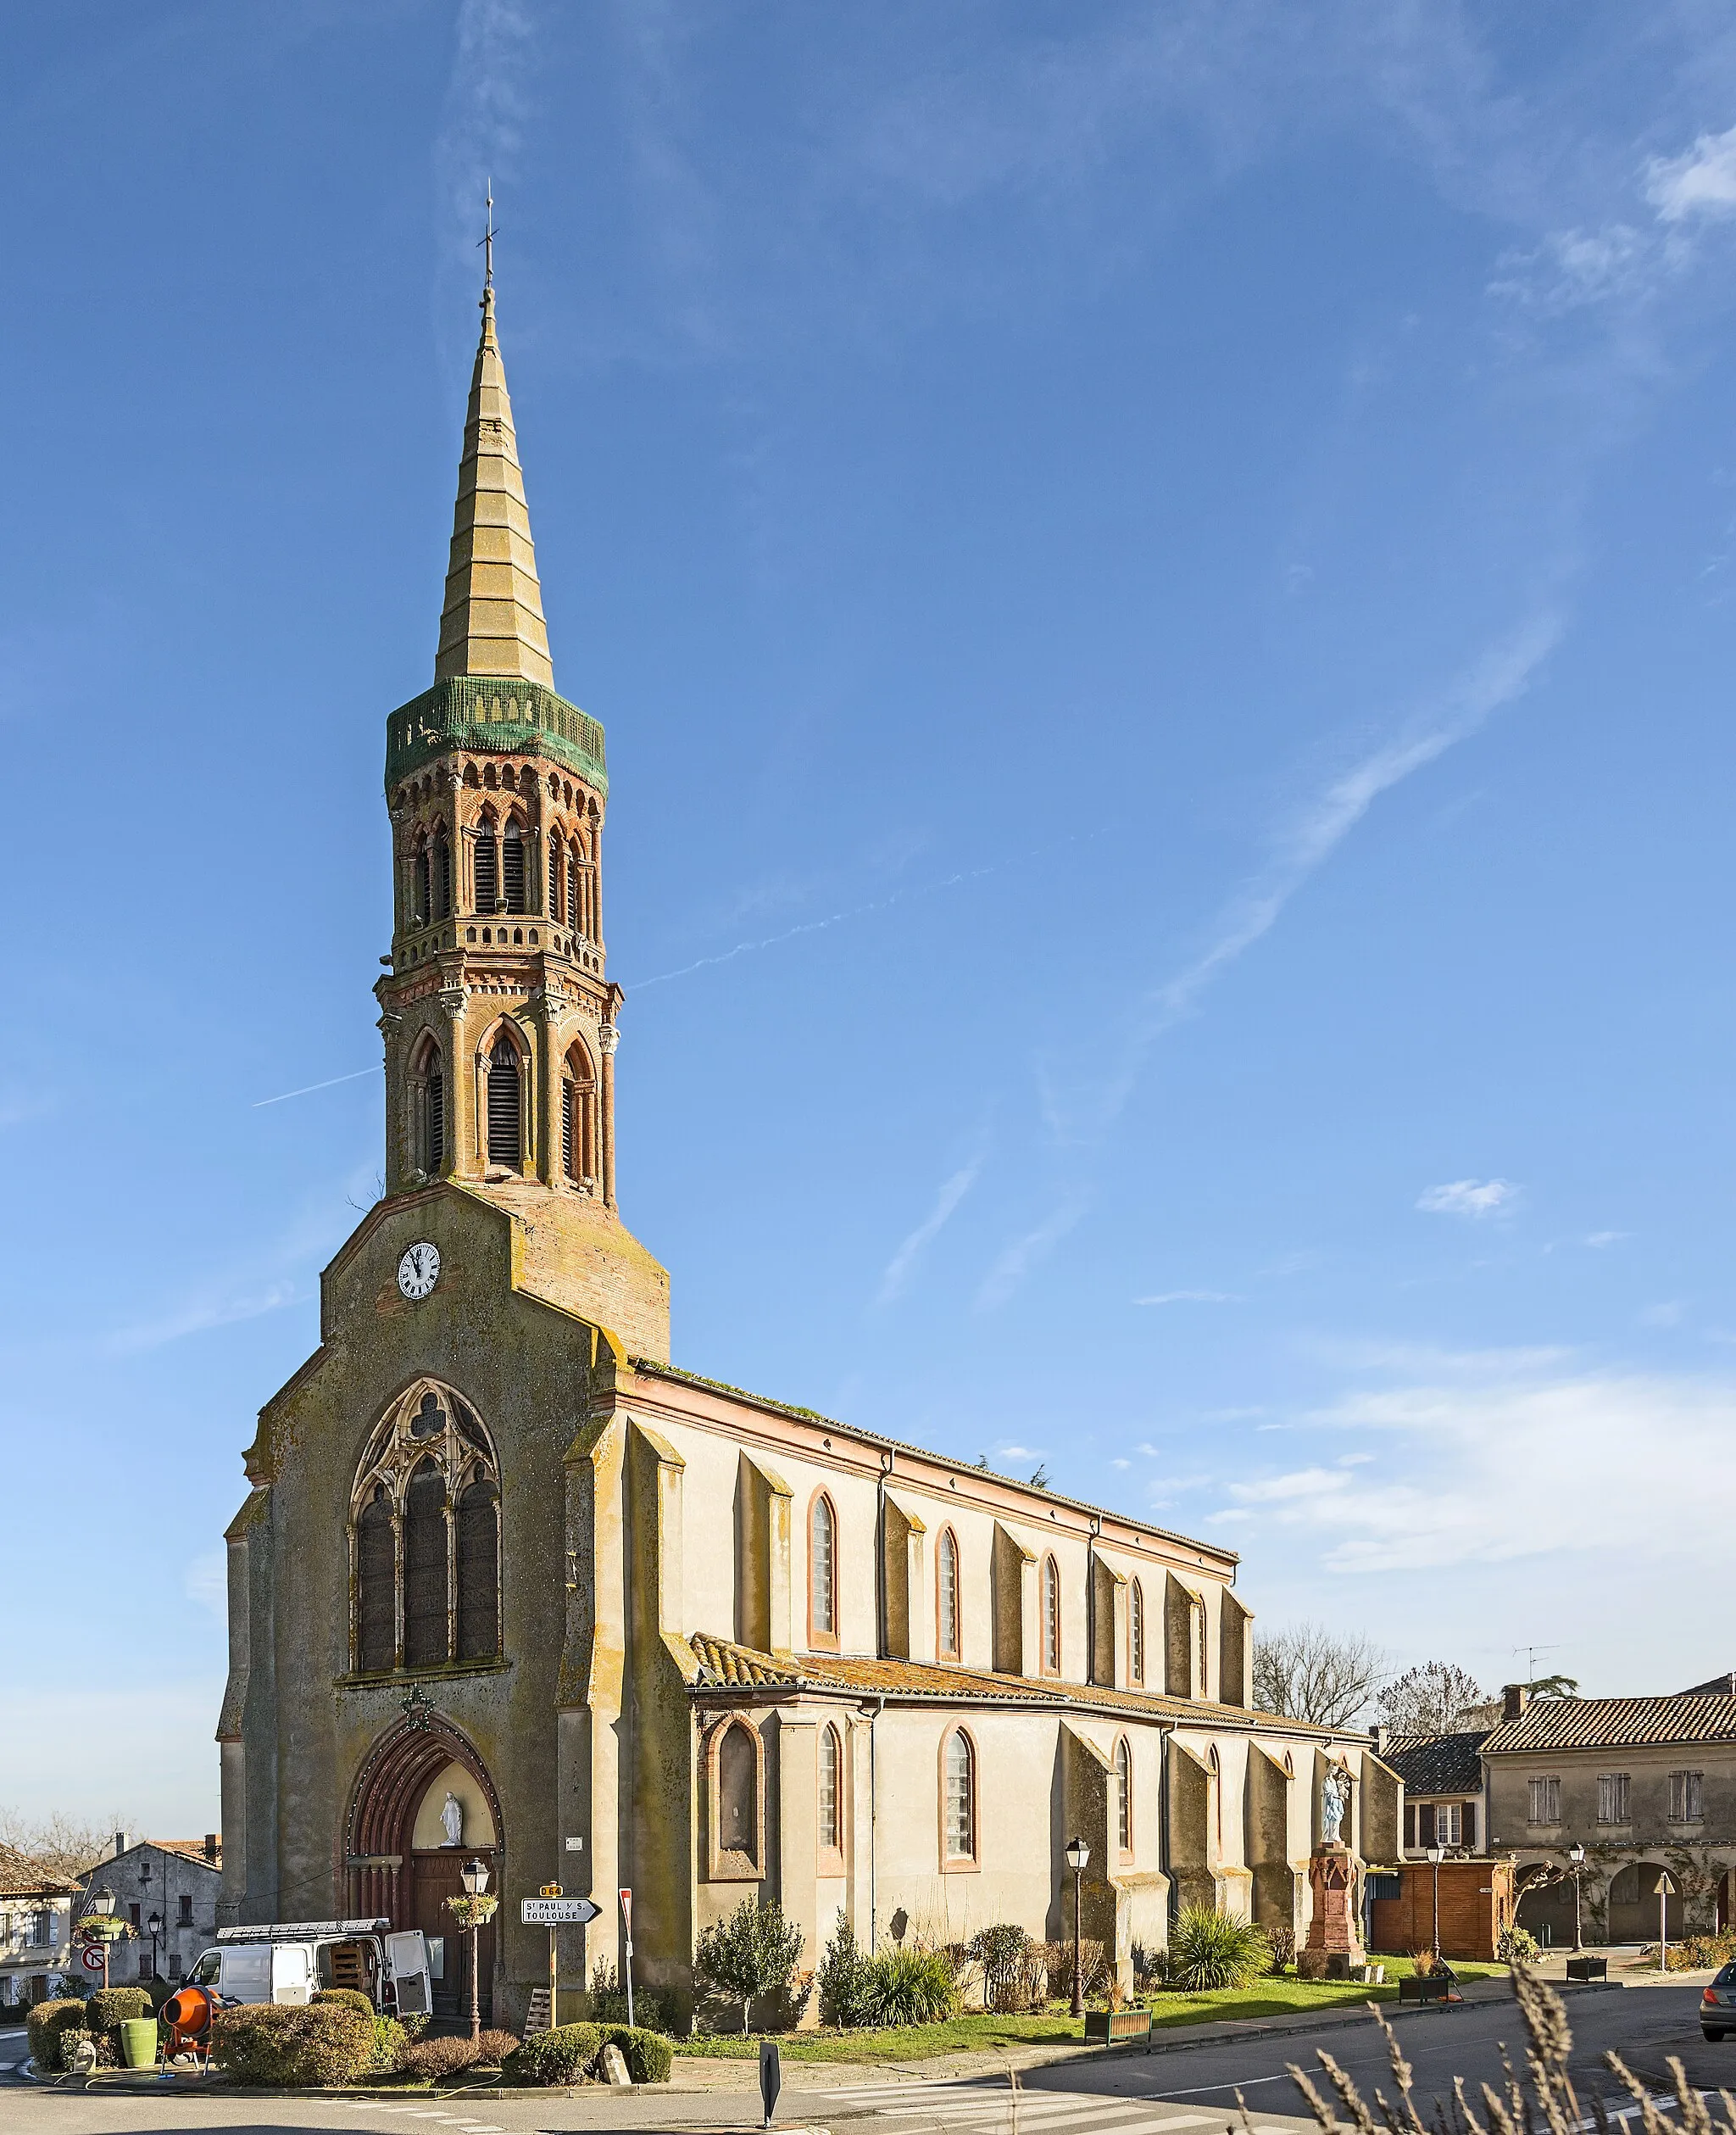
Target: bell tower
[{"x": 499, "y": 1017}]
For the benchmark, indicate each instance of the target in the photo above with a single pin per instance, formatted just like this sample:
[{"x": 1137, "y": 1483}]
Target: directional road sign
[{"x": 557, "y": 1912}]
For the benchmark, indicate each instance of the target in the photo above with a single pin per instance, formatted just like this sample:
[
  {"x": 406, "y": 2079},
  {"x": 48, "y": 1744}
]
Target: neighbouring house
[
  {"x": 1645, "y": 1784},
  {"x": 1442, "y": 1776},
  {"x": 166, "y": 1890},
  {"x": 36, "y": 1930}
]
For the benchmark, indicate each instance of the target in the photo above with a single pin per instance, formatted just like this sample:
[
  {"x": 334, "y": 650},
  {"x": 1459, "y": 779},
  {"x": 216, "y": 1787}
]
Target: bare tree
[
  {"x": 60, "y": 1845},
  {"x": 1433, "y": 1699},
  {"x": 1307, "y": 1672}
]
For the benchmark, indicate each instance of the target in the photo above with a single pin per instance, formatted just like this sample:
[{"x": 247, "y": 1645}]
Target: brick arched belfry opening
[{"x": 387, "y": 1875}]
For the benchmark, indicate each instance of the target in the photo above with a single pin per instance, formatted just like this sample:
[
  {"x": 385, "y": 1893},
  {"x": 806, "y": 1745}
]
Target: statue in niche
[
  {"x": 451, "y": 1820},
  {"x": 1334, "y": 1800}
]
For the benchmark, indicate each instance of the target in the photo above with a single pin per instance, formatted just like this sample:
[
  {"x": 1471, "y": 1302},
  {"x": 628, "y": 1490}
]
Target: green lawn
[{"x": 977, "y": 2034}]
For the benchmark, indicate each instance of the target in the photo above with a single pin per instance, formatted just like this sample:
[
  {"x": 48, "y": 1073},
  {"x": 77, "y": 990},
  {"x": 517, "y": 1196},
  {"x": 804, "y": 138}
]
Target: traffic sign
[
  {"x": 92, "y": 1959},
  {"x": 557, "y": 1912}
]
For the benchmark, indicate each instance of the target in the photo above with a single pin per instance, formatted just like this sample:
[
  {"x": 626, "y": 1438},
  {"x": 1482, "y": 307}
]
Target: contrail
[{"x": 308, "y": 1089}]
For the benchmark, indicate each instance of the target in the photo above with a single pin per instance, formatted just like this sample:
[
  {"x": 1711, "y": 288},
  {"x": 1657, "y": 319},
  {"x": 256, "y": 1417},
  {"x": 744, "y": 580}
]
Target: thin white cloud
[
  {"x": 199, "y": 1314},
  {"x": 1670, "y": 1313},
  {"x": 1473, "y": 1197},
  {"x": 1016, "y": 1260},
  {"x": 1022, "y": 1453},
  {"x": 952, "y": 1192},
  {"x": 1602, "y": 1238},
  {"x": 205, "y": 1582},
  {"x": 1191, "y": 1297},
  {"x": 1702, "y": 181}
]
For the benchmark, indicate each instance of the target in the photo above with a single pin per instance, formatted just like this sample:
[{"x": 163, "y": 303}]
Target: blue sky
[{"x": 1159, "y": 582}]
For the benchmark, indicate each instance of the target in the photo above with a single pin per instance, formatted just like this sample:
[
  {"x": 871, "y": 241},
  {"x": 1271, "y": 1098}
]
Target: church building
[{"x": 511, "y": 1584}]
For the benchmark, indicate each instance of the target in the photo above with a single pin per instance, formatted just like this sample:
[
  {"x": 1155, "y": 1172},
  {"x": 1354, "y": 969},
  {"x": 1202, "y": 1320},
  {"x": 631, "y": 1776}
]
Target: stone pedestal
[{"x": 1334, "y": 1944}]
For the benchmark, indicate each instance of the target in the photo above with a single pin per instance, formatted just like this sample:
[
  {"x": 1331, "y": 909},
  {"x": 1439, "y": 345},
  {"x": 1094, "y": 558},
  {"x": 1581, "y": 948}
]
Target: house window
[
  {"x": 186, "y": 1910},
  {"x": 1136, "y": 1633},
  {"x": 822, "y": 1569},
  {"x": 1051, "y": 1616},
  {"x": 831, "y": 1772},
  {"x": 1612, "y": 1798},
  {"x": 1545, "y": 1801},
  {"x": 947, "y": 1565},
  {"x": 1124, "y": 1796},
  {"x": 1686, "y": 1791},
  {"x": 40, "y": 1930},
  {"x": 426, "y": 1509},
  {"x": 175, "y": 1965},
  {"x": 959, "y": 1797}
]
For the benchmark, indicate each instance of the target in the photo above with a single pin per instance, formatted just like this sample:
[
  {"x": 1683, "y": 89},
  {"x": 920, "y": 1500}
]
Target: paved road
[{"x": 1185, "y": 2093}]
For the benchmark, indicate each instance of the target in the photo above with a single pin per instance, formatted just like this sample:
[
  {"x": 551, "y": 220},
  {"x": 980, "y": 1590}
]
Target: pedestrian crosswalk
[{"x": 977, "y": 2107}]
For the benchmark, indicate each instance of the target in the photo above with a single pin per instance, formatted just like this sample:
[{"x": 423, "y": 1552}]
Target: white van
[{"x": 289, "y": 1963}]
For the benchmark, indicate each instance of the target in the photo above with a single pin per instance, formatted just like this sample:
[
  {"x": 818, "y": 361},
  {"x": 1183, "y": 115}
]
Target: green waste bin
[{"x": 138, "y": 2042}]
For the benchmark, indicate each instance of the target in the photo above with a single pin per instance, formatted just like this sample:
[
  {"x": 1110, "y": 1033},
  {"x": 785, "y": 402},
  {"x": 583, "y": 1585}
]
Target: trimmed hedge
[
  {"x": 112, "y": 2005},
  {"x": 310, "y": 2047},
  {"x": 46, "y": 2025},
  {"x": 438, "y": 2057},
  {"x": 493, "y": 2047},
  {"x": 559, "y": 2056},
  {"x": 649, "y": 2055},
  {"x": 345, "y": 1998}
]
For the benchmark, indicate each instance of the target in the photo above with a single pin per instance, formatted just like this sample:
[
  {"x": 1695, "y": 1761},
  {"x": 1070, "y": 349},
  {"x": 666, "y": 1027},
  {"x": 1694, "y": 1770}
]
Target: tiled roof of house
[
  {"x": 22, "y": 1877},
  {"x": 1437, "y": 1764},
  {"x": 724, "y": 1663},
  {"x": 1615, "y": 1723},
  {"x": 1719, "y": 1687},
  {"x": 192, "y": 1849}
]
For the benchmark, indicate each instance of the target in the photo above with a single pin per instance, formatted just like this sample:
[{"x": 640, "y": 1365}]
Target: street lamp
[
  {"x": 474, "y": 1877},
  {"x": 1576, "y": 1855},
  {"x": 1079, "y": 1852},
  {"x": 155, "y": 1925},
  {"x": 1434, "y": 1854},
  {"x": 103, "y": 1905}
]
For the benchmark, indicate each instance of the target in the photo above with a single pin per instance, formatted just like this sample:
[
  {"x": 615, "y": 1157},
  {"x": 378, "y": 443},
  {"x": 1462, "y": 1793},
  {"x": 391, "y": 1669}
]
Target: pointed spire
[{"x": 493, "y": 620}]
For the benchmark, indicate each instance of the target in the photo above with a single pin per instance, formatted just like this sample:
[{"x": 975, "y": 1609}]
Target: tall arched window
[
  {"x": 426, "y": 1528},
  {"x": 958, "y": 1797},
  {"x": 505, "y": 1131},
  {"x": 738, "y": 1771},
  {"x": 554, "y": 875},
  {"x": 1124, "y": 1795},
  {"x": 575, "y": 914},
  {"x": 822, "y": 1572},
  {"x": 427, "y": 1103},
  {"x": 832, "y": 1790},
  {"x": 1051, "y": 1616},
  {"x": 1136, "y": 1633},
  {"x": 421, "y": 887},
  {"x": 443, "y": 874},
  {"x": 487, "y": 867},
  {"x": 947, "y": 1576},
  {"x": 578, "y": 1117},
  {"x": 512, "y": 866}
]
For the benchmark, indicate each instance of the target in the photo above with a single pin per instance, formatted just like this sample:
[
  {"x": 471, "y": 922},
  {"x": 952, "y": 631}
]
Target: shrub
[
  {"x": 493, "y": 2047},
  {"x": 322, "y": 2043},
  {"x": 438, "y": 2057},
  {"x": 112, "y": 2005},
  {"x": 1284, "y": 1947},
  {"x": 606, "y": 2003},
  {"x": 752, "y": 1952},
  {"x": 1003, "y": 1952},
  {"x": 648, "y": 2055},
  {"x": 909, "y": 1986},
  {"x": 841, "y": 1978},
  {"x": 1517, "y": 1945},
  {"x": 414, "y": 2022},
  {"x": 1210, "y": 1950},
  {"x": 46, "y": 2025},
  {"x": 392, "y": 2042},
  {"x": 345, "y": 1998},
  {"x": 559, "y": 2056},
  {"x": 1058, "y": 1967}
]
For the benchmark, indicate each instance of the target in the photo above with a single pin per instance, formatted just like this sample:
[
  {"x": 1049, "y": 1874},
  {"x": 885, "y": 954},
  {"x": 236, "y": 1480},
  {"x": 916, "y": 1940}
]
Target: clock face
[{"x": 419, "y": 1271}]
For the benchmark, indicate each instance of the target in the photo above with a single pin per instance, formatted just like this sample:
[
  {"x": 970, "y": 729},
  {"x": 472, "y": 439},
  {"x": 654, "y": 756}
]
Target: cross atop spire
[
  {"x": 492, "y": 623},
  {"x": 487, "y": 241}
]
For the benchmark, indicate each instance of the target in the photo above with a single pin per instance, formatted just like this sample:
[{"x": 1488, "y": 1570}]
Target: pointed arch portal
[{"x": 397, "y": 1863}]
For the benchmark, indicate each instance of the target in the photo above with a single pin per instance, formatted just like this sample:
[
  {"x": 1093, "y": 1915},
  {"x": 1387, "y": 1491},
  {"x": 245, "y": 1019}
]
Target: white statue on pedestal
[
  {"x": 1334, "y": 1800},
  {"x": 452, "y": 1818}
]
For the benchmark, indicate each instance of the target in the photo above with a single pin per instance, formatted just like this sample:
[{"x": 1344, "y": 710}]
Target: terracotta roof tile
[
  {"x": 1437, "y": 1764},
  {"x": 1614, "y": 1722}
]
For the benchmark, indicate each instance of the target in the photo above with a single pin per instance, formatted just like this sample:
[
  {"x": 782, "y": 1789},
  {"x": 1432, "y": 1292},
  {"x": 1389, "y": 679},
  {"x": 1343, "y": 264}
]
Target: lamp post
[
  {"x": 1079, "y": 1852},
  {"x": 475, "y": 1878},
  {"x": 154, "y": 1926},
  {"x": 1434, "y": 1854},
  {"x": 1667, "y": 1890},
  {"x": 103, "y": 1905},
  {"x": 1576, "y": 1855}
]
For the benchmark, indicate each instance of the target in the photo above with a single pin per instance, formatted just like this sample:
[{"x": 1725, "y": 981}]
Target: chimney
[
  {"x": 1514, "y": 1697},
  {"x": 1377, "y": 1735},
  {"x": 121, "y": 1842},
  {"x": 211, "y": 1848}
]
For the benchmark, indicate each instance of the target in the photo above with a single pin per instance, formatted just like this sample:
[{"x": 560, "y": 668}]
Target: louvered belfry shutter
[
  {"x": 376, "y": 1640},
  {"x": 424, "y": 1627},
  {"x": 503, "y": 1140},
  {"x": 554, "y": 875},
  {"x": 478, "y": 1574},
  {"x": 487, "y": 870},
  {"x": 512, "y": 868},
  {"x": 567, "y": 1127},
  {"x": 435, "y": 1153},
  {"x": 442, "y": 866}
]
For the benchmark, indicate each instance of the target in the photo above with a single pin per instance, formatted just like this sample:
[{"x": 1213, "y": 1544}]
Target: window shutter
[
  {"x": 443, "y": 871},
  {"x": 554, "y": 875},
  {"x": 566, "y": 1127},
  {"x": 575, "y": 917},
  {"x": 375, "y": 1630},
  {"x": 478, "y": 1574},
  {"x": 425, "y": 1599},
  {"x": 504, "y": 1139},
  {"x": 512, "y": 868},
  {"x": 487, "y": 870},
  {"x": 434, "y": 1154},
  {"x": 1470, "y": 1825}
]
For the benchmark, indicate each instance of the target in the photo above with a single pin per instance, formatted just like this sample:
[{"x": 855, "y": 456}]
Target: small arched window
[
  {"x": 1136, "y": 1633},
  {"x": 442, "y": 874},
  {"x": 822, "y": 1571},
  {"x": 832, "y": 1790},
  {"x": 505, "y": 1132},
  {"x": 554, "y": 875},
  {"x": 488, "y": 867},
  {"x": 512, "y": 867},
  {"x": 425, "y": 1560},
  {"x": 947, "y": 1576},
  {"x": 578, "y": 1117},
  {"x": 1124, "y": 1795},
  {"x": 427, "y": 1099},
  {"x": 1051, "y": 1616},
  {"x": 738, "y": 1794},
  {"x": 958, "y": 1797},
  {"x": 575, "y": 914}
]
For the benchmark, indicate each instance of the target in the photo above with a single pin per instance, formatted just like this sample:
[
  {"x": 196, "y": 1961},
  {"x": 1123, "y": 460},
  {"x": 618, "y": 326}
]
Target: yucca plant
[
  {"x": 908, "y": 1986},
  {"x": 1210, "y": 1950}
]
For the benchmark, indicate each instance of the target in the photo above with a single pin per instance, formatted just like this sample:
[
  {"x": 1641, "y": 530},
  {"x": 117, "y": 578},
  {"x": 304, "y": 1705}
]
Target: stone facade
[
  {"x": 175, "y": 1881},
  {"x": 504, "y": 1570}
]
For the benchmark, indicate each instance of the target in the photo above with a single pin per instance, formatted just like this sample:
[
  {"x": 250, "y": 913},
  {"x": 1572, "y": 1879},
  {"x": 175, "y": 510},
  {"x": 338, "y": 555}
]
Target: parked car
[
  {"x": 1718, "y": 2005},
  {"x": 290, "y": 1962}
]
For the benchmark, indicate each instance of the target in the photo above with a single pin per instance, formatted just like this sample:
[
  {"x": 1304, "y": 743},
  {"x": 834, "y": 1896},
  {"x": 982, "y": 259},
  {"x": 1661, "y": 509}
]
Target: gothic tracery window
[
  {"x": 948, "y": 1581},
  {"x": 425, "y": 1523}
]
